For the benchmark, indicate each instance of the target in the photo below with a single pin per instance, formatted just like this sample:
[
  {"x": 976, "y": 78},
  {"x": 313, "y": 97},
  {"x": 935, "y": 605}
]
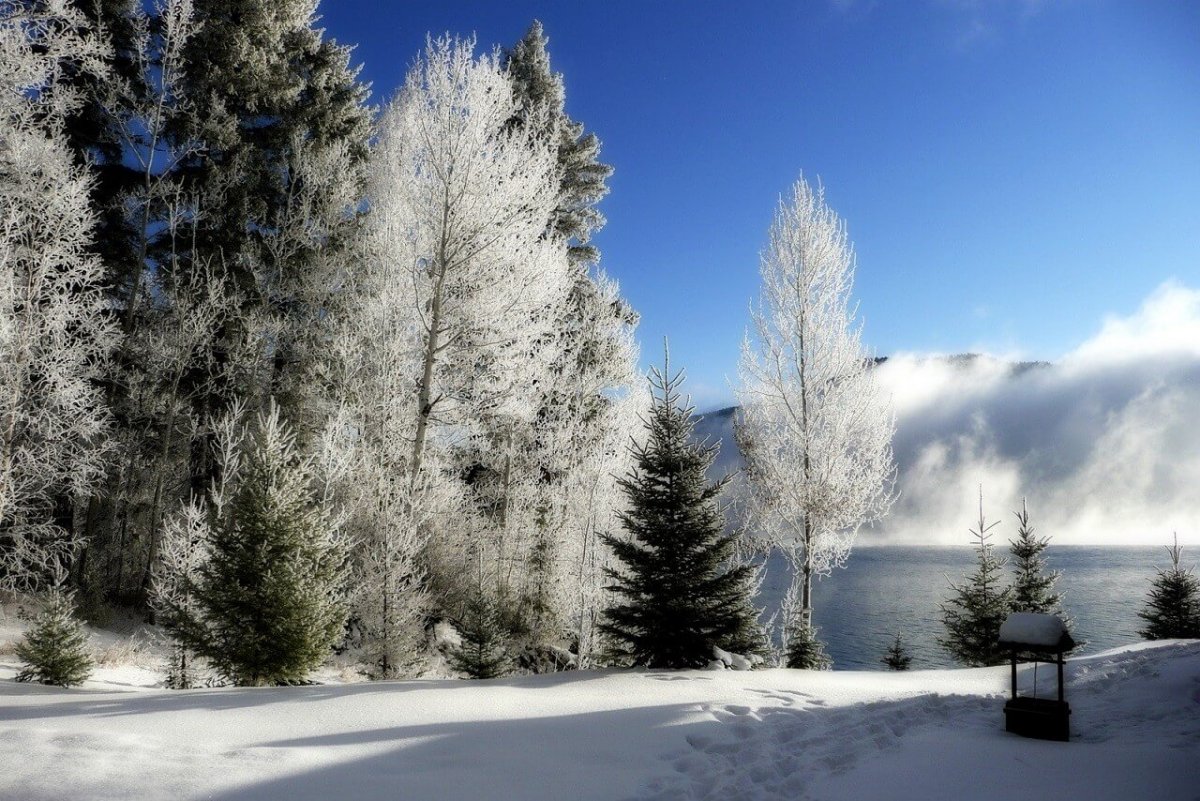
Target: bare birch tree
[
  {"x": 446, "y": 307},
  {"x": 459, "y": 207},
  {"x": 815, "y": 429}
]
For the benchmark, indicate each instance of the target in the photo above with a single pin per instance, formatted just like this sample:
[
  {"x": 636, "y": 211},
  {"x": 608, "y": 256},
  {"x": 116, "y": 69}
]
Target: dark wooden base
[{"x": 1038, "y": 717}]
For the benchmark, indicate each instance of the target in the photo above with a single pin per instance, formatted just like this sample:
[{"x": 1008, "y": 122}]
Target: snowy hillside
[
  {"x": 1106, "y": 450},
  {"x": 772, "y": 734}
]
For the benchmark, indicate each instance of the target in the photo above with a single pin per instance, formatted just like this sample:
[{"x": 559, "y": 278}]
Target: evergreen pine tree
[
  {"x": 270, "y": 84},
  {"x": 285, "y": 125},
  {"x": 978, "y": 607},
  {"x": 482, "y": 653},
  {"x": 678, "y": 596},
  {"x": 1033, "y": 589},
  {"x": 897, "y": 656},
  {"x": 1173, "y": 606},
  {"x": 55, "y": 649},
  {"x": 267, "y": 602},
  {"x": 805, "y": 651},
  {"x": 583, "y": 176}
]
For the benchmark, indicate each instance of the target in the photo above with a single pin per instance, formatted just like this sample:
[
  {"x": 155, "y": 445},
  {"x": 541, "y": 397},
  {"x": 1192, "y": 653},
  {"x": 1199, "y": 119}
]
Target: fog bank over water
[{"x": 1104, "y": 442}]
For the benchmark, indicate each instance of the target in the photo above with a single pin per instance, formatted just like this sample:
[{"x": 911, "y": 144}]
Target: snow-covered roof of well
[{"x": 1032, "y": 630}]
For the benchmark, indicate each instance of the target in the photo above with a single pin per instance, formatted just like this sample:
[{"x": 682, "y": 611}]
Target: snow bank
[{"x": 771, "y": 734}]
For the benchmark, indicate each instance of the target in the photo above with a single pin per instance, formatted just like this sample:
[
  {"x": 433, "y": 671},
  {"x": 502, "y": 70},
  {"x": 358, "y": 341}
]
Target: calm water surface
[{"x": 884, "y": 589}]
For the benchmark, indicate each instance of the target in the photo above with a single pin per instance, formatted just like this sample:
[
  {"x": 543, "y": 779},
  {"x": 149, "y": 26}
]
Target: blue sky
[{"x": 1011, "y": 172}]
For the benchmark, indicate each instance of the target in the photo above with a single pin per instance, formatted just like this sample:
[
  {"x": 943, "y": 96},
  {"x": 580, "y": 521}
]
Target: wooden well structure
[{"x": 1031, "y": 637}]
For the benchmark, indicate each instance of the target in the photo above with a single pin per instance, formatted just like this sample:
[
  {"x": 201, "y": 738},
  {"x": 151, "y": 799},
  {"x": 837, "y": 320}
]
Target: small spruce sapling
[
  {"x": 897, "y": 656},
  {"x": 1173, "y": 605},
  {"x": 805, "y": 651},
  {"x": 1033, "y": 589},
  {"x": 977, "y": 607},
  {"x": 267, "y": 604},
  {"x": 55, "y": 650},
  {"x": 482, "y": 653}
]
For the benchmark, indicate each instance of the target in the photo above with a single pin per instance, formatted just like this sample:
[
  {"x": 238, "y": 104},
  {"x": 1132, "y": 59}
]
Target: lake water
[{"x": 882, "y": 590}]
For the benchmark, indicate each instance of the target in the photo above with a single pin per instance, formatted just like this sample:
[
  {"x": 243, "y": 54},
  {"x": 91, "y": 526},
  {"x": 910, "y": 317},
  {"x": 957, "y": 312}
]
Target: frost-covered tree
[
  {"x": 547, "y": 479},
  {"x": 55, "y": 648},
  {"x": 897, "y": 657},
  {"x": 458, "y": 209},
  {"x": 266, "y": 605},
  {"x": 1173, "y": 605},
  {"x": 588, "y": 415},
  {"x": 55, "y": 334},
  {"x": 1033, "y": 585},
  {"x": 284, "y": 128},
  {"x": 389, "y": 519},
  {"x": 118, "y": 132},
  {"x": 455, "y": 293},
  {"x": 978, "y": 606},
  {"x": 676, "y": 595},
  {"x": 390, "y": 512},
  {"x": 185, "y": 541},
  {"x": 815, "y": 429},
  {"x": 529, "y": 466}
]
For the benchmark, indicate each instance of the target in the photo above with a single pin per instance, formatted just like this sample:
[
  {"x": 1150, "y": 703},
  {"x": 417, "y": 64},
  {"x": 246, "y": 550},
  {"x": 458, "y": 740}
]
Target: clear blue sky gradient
[{"x": 1010, "y": 171}]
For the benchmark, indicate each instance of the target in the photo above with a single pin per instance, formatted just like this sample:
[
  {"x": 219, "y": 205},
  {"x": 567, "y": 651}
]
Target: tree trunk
[
  {"x": 425, "y": 393},
  {"x": 156, "y": 507},
  {"x": 806, "y": 587}
]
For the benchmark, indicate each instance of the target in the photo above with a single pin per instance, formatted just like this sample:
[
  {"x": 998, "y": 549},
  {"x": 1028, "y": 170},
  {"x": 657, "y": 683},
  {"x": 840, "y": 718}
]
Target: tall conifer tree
[
  {"x": 583, "y": 181},
  {"x": 285, "y": 127},
  {"x": 678, "y": 595}
]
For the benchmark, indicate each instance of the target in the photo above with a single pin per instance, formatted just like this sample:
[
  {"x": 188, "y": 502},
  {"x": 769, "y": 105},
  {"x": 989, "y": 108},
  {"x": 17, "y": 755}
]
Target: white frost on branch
[
  {"x": 55, "y": 335},
  {"x": 442, "y": 319},
  {"x": 815, "y": 429},
  {"x": 459, "y": 203}
]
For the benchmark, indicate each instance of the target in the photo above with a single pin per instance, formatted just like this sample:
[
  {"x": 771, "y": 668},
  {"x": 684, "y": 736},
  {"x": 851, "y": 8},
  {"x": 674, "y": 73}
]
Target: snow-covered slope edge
[{"x": 612, "y": 735}]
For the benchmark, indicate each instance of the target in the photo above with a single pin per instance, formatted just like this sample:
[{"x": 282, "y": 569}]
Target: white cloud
[
  {"x": 1167, "y": 325},
  {"x": 1105, "y": 443}
]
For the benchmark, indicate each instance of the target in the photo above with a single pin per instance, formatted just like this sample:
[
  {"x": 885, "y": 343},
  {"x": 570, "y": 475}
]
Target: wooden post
[
  {"x": 1060, "y": 676},
  {"x": 1014, "y": 673}
]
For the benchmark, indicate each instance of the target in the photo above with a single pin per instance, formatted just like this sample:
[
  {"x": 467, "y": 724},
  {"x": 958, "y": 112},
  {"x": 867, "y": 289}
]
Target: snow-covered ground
[{"x": 772, "y": 734}]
